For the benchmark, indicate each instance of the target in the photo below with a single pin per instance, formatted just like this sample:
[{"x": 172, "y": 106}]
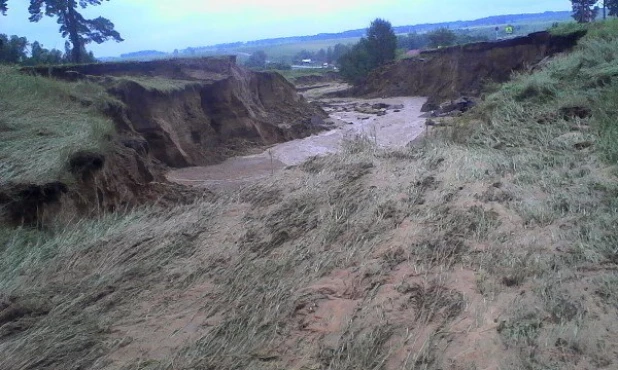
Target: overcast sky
[{"x": 165, "y": 25}]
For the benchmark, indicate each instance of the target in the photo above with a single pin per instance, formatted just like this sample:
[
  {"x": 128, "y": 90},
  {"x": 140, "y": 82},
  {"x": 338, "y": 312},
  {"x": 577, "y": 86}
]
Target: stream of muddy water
[{"x": 401, "y": 124}]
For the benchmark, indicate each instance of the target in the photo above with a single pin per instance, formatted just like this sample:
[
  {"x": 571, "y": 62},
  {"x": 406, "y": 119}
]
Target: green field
[{"x": 285, "y": 52}]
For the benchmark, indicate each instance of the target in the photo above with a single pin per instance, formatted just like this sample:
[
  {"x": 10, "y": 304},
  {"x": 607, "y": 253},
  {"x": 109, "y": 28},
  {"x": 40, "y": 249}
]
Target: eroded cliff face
[
  {"x": 172, "y": 113},
  {"x": 214, "y": 108},
  {"x": 462, "y": 70}
]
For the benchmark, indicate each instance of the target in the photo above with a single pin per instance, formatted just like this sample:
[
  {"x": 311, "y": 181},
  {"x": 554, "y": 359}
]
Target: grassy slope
[
  {"x": 42, "y": 123},
  {"x": 492, "y": 244}
]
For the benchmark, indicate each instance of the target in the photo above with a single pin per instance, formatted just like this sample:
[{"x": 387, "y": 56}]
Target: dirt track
[{"x": 397, "y": 128}]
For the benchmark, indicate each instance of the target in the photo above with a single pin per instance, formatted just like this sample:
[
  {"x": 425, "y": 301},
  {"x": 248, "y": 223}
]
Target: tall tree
[
  {"x": 585, "y": 11},
  {"x": 40, "y": 55},
  {"x": 442, "y": 37},
  {"x": 321, "y": 55},
  {"x": 377, "y": 49},
  {"x": 3, "y": 7},
  {"x": 12, "y": 49},
  {"x": 381, "y": 41},
  {"x": 357, "y": 63},
  {"x": 257, "y": 60},
  {"x": 329, "y": 55},
  {"x": 79, "y": 30},
  {"x": 612, "y": 7},
  {"x": 339, "y": 50}
]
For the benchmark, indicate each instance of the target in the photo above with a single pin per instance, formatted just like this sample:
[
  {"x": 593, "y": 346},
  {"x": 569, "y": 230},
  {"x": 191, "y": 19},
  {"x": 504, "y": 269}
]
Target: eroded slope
[{"x": 452, "y": 72}]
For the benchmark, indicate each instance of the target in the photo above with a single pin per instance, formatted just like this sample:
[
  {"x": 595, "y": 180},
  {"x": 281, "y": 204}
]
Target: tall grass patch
[{"x": 43, "y": 121}]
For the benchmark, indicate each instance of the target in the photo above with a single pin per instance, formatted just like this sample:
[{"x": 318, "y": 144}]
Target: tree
[
  {"x": 40, "y": 55},
  {"x": 338, "y": 51},
  {"x": 611, "y": 6},
  {"x": 79, "y": 30},
  {"x": 381, "y": 42},
  {"x": 304, "y": 54},
  {"x": 377, "y": 49},
  {"x": 3, "y": 7},
  {"x": 329, "y": 55},
  {"x": 441, "y": 37},
  {"x": 257, "y": 60},
  {"x": 413, "y": 41},
  {"x": 356, "y": 64},
  {"x": 12, "y": 49},
  {"x": 585, "y": 11}
]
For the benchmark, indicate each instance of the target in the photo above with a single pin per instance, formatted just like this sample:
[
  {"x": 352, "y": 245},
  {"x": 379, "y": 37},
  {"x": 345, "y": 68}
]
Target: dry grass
[{"x": 42, "y": 122}]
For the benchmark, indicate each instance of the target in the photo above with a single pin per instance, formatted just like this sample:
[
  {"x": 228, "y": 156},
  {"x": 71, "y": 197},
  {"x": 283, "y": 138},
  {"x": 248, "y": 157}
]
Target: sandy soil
[{"x": 395, "y": 129}]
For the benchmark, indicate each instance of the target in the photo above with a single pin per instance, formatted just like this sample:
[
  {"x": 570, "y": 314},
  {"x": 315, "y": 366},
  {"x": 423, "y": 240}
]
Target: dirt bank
[
  {"x": 200, "y": 111},
  {"x": 462, "y": 70},
  {"x": 173, "y": 113}
]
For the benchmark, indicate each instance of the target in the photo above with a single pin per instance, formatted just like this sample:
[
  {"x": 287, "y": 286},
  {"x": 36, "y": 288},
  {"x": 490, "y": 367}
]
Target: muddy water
[{"x": 395, "y": 129}]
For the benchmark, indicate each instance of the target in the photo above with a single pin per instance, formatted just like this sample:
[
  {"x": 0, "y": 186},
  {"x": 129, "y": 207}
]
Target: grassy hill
[{"x": 489, "y": 244}]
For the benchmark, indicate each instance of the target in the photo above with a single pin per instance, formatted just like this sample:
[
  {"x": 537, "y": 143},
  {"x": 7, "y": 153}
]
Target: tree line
[
  {"x": 585, "y": 11},
  {"x": 329, "y": 55},
  {"x": 380, "y": 47},
  {"x": 440, "y": 37},
  {"x": 78, "y": 30},
  {"x": 14, "y": 50}
]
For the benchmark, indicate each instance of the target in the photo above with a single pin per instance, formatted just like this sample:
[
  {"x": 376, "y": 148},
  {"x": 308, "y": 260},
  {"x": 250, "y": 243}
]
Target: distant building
[{"x": 306, "y": 61}]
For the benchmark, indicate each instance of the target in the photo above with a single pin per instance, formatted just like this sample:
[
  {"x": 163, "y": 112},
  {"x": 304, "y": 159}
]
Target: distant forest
[{"x": 419, "y": 28}]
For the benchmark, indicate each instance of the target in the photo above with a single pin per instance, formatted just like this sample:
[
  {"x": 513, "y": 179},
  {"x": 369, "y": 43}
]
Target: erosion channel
[{"x": 390, "y": 122}]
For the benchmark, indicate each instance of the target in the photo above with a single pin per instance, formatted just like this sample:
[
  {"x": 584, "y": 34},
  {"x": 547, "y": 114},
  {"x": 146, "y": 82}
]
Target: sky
[{"x": 167, "y": 25}]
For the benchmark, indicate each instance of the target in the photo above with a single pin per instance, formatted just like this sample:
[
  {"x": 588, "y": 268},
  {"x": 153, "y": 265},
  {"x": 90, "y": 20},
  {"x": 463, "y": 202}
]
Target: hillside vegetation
[
  {"x": 491, "y": 243},
  {"x": 42, "y": 123}
]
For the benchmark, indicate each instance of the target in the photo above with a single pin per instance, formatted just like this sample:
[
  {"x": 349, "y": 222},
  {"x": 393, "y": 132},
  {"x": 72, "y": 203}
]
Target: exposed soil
[
  {"x": 174, "y": 113},
  {"x": 449, "y": 73},
  {"x": 204, "y": 122},
  {"x": 449, "y": 253},
  {"x": 391, "y": 127}
]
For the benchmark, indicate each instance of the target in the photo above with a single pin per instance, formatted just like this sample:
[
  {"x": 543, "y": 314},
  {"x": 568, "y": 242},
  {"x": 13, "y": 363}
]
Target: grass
[
  {"x": 491, "y": 243},
  {"x": 295, "y": 73},
  {"x": 164, "y": 85},
  {"x": 42, "y": 122},
  {"x": 59, "y": 321}
]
